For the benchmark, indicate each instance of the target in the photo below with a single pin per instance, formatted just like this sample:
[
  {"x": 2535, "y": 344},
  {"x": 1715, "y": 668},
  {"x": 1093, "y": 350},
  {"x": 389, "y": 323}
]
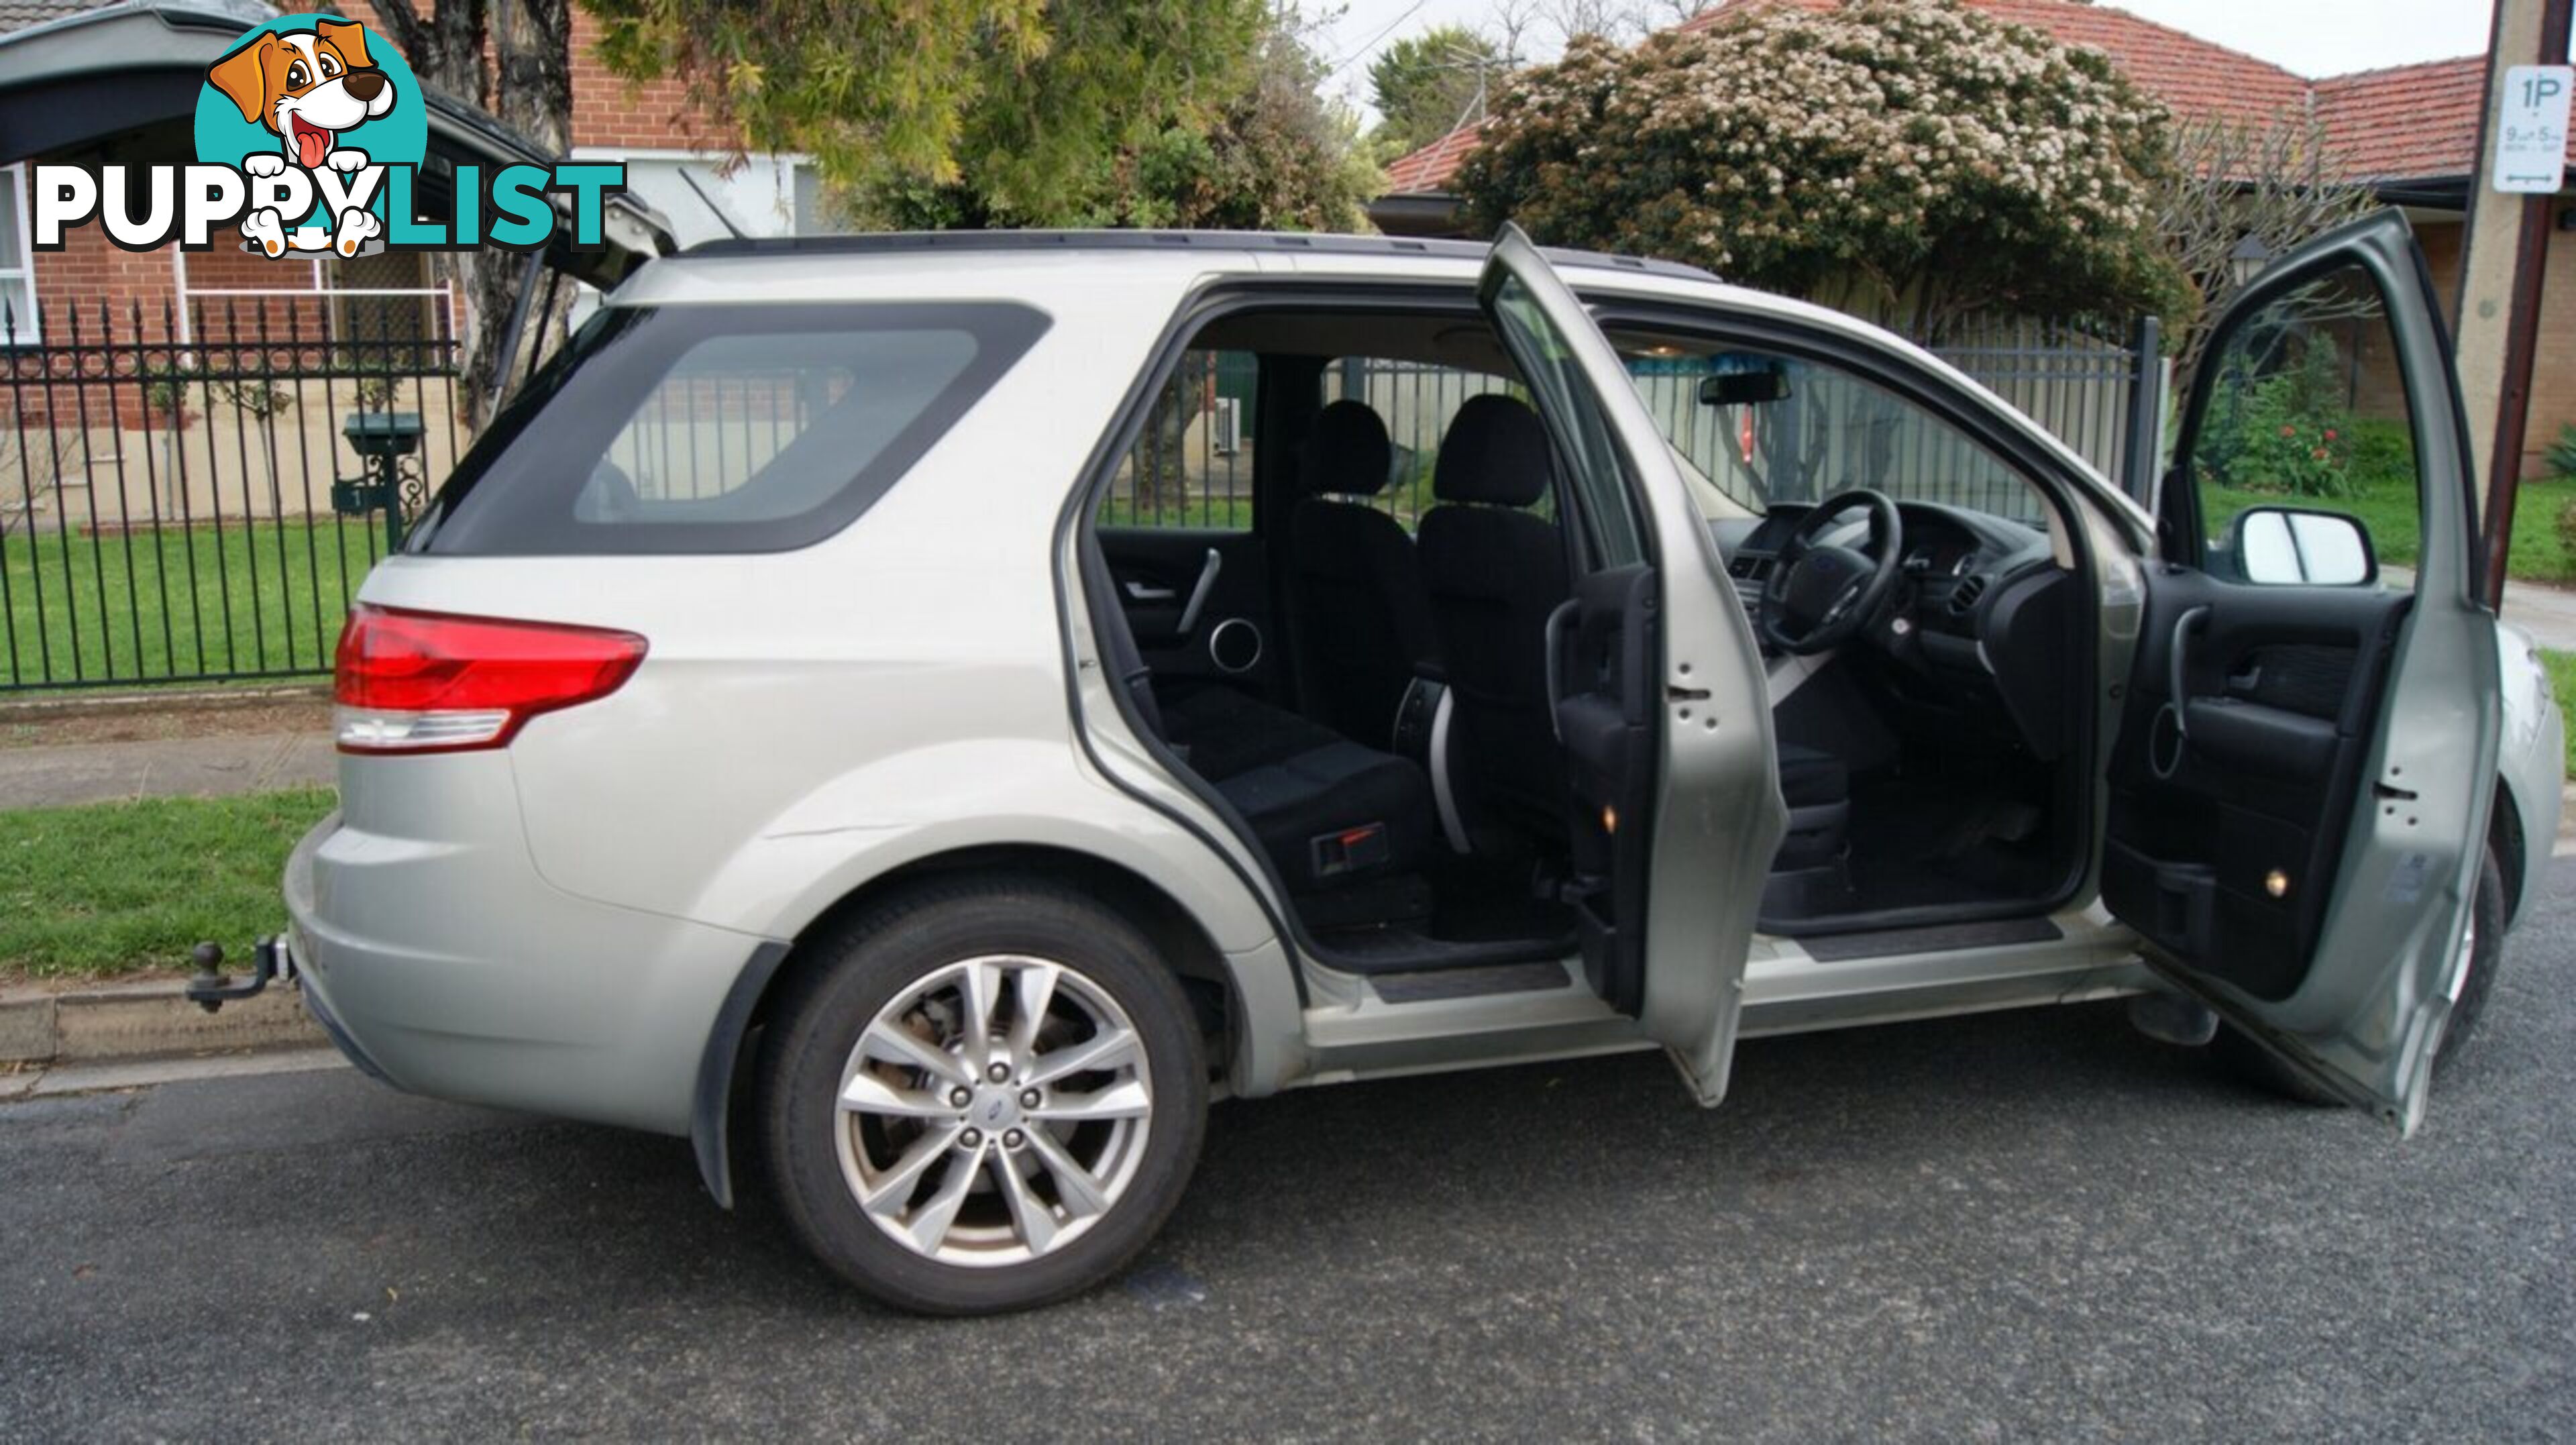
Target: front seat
[
  {"x": 1359, "y": 622},
  {"x": 1495, "y": 571}
]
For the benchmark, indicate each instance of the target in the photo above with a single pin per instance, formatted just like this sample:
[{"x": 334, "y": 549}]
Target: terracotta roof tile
[
  {"x": 2410, "y": 122},
  {"x": 1425, "y": 171},
  {"x": 2407, "y": 122}
]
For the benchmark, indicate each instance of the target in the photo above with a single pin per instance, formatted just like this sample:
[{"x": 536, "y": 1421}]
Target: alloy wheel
[{"x": 994, "y": 1110}]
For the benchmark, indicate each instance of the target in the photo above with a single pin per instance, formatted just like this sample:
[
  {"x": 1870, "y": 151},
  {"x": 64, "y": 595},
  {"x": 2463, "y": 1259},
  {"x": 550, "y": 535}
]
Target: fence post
[{"x": 2146, "y": 412}]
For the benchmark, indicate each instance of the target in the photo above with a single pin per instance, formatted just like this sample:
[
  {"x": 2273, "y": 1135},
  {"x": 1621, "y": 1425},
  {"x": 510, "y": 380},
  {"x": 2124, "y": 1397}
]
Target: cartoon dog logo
[{"x": 309, "y": 88}]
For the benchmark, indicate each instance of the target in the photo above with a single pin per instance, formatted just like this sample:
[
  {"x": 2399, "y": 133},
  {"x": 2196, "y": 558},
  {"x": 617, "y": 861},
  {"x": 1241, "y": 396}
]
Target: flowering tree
[{"x": 1913, "y": 159}]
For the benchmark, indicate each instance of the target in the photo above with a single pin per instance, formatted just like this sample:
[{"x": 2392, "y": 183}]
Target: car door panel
[
  {"x": 2250, "y": 792},
  {"x": 1197, "y": 600},
  {"x": 1602, "y": 656},
  {"x": 1704, "y": 732},
  {"x": 2300, "y": 786}
]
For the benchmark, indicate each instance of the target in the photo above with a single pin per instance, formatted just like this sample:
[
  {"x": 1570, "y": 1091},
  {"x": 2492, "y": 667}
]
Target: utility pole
[{"x": 2501, "y": 271}]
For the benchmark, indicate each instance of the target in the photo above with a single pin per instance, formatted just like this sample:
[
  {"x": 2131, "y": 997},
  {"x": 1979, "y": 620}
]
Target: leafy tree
[
  {"x": 1913, "y": 158},
  {"x": 2278, "y": 185},
  {"x": 980, "y": 112},
  {"x": 1276, "y": 156},
  {"x": 1425, "y": 85}
]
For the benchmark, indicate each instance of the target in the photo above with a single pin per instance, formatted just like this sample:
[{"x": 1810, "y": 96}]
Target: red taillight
[{"x": 420, "y": 682}]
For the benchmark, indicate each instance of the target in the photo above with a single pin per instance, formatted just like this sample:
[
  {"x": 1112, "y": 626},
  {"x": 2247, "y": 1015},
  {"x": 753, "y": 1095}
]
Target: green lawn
[
  {"x": 2389, "y": 511},
  {"x": 108, "y": 887},
  {"x": 267, "y": 597}
]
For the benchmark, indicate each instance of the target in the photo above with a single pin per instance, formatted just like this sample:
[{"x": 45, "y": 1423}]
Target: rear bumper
[
  {"x": 457, "y": 973},
  {"x": 338, "y": 1033}
]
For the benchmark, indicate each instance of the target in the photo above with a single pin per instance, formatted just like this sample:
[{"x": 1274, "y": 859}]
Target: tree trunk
[{"x": 525, "y": 80}]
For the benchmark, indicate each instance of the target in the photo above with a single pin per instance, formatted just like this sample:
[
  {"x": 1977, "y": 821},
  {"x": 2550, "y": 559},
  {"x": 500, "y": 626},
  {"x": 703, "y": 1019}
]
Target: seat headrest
[
  {"x": 1347, "y": 452},
  {"x": 1496, "y": 451}
]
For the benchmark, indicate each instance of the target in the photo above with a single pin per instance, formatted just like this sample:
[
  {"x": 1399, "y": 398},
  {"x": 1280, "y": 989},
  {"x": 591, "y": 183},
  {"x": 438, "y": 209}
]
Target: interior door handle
[
  {"x": 1555, "y": 648},
  {"x": 2184, "y": 627},
  {"x": 2162, "y": 762},
  {"x": 1139, "y": 592},
  {"x": 1199, "y": 593}
]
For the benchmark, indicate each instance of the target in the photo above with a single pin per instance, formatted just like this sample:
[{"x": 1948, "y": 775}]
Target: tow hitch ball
[{"x": 210, "y": 989}]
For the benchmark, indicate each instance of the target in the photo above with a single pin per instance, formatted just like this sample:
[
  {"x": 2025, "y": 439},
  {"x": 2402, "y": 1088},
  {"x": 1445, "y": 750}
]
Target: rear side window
[{"x": 692, "y": 428}]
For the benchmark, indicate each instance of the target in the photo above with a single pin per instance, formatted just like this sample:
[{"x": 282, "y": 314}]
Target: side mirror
[
  {"x": 2294, "y": 547},
  {"x": 1744, "y": 388}
]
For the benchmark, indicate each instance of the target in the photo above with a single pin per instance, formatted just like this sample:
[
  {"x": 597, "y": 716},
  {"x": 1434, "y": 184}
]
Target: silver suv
[{"x": 840, "y": 714}]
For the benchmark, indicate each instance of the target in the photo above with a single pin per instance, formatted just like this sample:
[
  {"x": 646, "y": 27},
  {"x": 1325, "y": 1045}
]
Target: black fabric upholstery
[
  {"x": 1296, "y": 782},
  {"x": 1347, "y": 452},
  {"x": 1493, "y": 575},
  {"x": 1359, "y": 624},
  {"x": 1811, "y": 777},
  {"x": 1817, "y": 787},
  {"x": 1495, "y": 451},
  {"x": 1223, "y": 732},
  {"x": 1335, "y": 789}
]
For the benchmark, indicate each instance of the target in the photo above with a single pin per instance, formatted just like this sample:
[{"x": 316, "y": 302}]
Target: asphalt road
[{"x": 2032, "y": 1226}]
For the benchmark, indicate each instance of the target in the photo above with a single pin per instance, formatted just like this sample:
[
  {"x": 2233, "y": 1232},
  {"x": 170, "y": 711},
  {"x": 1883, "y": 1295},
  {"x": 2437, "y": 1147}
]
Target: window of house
[
  {"x": 17, "y": 261},
  {"x": 1193, "y": 466},
  {"x": 386, "y": 296}
]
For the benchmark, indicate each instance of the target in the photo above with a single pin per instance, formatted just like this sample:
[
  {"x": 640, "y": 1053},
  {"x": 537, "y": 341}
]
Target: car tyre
[
  {"x": 955, "y": 1168},
  {"x": 2252, "y": 1064}
]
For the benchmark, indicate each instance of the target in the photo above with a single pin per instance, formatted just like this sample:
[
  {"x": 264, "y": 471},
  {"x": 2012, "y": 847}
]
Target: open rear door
[
  {"x": 2300, "y": 789},
  {"x": 1659, "y": 692}
]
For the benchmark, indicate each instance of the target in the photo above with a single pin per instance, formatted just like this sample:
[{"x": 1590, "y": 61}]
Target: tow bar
[{"x": 211, "y": 989}]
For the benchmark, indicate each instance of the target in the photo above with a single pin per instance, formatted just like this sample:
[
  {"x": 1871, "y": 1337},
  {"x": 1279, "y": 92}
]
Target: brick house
[
  {"x": 2410, "y": 132},
  {"x": 674, "y": 162}
]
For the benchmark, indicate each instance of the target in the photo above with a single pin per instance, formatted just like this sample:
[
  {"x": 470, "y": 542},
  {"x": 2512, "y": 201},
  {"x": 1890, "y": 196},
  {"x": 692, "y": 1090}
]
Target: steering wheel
[{"x": 1820, "y": 597}]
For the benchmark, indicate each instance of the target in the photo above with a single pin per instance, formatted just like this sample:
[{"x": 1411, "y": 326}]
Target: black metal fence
[{"x": 191, "y": 493}]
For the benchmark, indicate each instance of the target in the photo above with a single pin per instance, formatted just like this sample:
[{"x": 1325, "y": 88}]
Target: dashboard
[{"x": 1979, "y": 625}]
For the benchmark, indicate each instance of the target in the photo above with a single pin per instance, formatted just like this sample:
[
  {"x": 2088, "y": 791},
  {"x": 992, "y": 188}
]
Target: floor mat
[{"x": 1918, "y": 844}]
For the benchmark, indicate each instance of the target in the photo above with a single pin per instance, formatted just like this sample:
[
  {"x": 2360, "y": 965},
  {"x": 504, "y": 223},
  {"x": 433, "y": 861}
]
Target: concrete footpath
[
  {"x": 53, "y": 775},
  {"x": 2547, "y": 613}
]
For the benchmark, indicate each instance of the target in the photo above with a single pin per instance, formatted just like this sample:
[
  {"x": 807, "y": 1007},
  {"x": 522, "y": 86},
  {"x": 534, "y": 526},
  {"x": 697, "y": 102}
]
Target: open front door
[
  {"x": 2300, "y": 789},
  {"x": 1658, "y": 691}
]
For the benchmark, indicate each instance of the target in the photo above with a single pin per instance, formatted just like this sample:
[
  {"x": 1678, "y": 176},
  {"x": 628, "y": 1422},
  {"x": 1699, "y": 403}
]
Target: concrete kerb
[
  {"x": 97, "y": 703},
  {"x": 144, "y": 1020}
]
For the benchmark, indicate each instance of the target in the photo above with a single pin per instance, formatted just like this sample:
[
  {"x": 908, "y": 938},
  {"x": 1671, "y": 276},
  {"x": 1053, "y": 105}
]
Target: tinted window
[{"x": 720, "y": 428}]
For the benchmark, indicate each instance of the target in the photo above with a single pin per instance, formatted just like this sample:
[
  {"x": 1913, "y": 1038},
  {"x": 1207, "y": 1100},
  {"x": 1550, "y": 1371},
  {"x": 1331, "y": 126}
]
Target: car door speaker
[{"x": 1235, "y": 645}]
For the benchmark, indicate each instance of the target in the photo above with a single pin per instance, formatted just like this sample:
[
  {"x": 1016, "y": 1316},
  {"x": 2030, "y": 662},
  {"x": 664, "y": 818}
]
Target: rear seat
[{"x": 1329, "y": 812}]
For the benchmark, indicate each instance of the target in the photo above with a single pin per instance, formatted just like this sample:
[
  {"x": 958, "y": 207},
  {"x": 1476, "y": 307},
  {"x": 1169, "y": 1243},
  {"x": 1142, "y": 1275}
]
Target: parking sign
[{"x": 2531, "y": 131}]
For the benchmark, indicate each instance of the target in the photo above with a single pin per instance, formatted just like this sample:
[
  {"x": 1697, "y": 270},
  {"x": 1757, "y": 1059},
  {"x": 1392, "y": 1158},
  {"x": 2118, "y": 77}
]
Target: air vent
[
  {"x": 1751, "y": 568},
  {"x": 1963, "y": 598}
]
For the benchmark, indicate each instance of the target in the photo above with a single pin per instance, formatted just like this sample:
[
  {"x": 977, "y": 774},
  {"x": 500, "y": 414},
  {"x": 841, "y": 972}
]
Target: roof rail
[{"x": 883, "y": 242}]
